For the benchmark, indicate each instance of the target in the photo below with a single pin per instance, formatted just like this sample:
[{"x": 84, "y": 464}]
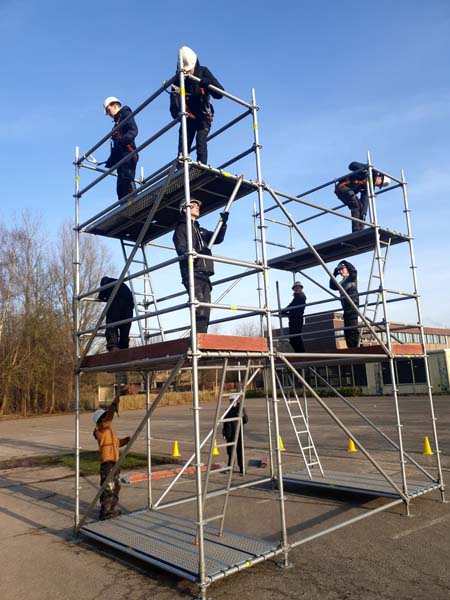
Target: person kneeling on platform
[
  {"x": 294, "y": 311},
  {"x": 348, "y": 188},
  {"x": 121, "y": 308},
  {"x": 349, "y": 282},
  {"x": 203, "y": 267},
  {"x": 108, "y": 447}
]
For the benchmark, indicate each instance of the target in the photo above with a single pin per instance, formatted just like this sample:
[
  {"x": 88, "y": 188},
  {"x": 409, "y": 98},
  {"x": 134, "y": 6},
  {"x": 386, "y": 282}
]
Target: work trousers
[
  {"x": 357, "y": 205},
  {"x": 297, "y": 341},
  {"x": 125, "y": 178},
  {"x": 201, "y": 127},
  {"x": 239, "y": 452},
  {"x": 118, "y": 337},
  {"x": 110, "y": 495},
  {"x": 202, "y": 288},
  {"x": 352, "y": 333}
]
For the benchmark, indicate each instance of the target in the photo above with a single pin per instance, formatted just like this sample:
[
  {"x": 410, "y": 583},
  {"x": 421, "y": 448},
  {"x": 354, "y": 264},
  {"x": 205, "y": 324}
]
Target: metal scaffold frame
[
  {"x": 137, "y": 221},
  {"x": 378, "y": 332}
]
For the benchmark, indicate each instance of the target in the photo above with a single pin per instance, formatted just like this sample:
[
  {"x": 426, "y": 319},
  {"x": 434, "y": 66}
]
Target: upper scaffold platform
[
  {"x": 211, "y": 186},
  {"x": 336, "y": 249}
]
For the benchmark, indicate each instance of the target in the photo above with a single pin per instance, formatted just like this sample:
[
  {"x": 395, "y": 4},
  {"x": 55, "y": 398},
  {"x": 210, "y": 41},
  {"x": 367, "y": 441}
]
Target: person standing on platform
[
  {"x": 203, "y": 267},
  {"x": 108, "y": 447},
  {"x": 122, "y": 143},
  {"x": 352, "y": 191},
  {"x": 350, "y": 284},
  {"x": 199, "y": 109},
  {"x": 121, "y": 308},
  {"x": 294, "y": 311},
  {"x": 229, "y": 431}
]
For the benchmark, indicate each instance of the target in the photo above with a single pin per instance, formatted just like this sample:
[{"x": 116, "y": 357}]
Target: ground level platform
[
  {"x": 336, "y": 249},
  {"x": 213, "y": 188},
  {"x": 163, "y": 355},
  {"x": 373, "y": 484},
  {"x": 168, "y": 542}
]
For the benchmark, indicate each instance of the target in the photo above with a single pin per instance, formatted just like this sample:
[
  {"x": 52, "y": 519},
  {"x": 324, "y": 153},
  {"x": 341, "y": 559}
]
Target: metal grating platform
[
  {"x": 336, "y": 249},
  {"x": 212, "y": 188},
  {"x": 373, "y": 484},
  {"x": 168, "y": 541}
]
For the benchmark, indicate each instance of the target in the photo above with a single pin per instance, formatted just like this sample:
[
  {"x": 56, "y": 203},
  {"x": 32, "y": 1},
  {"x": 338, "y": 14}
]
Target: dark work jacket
[
  {"x": 350, "y": 285},
  {"x": 197, "y": 98},
  {"x": 229, "y": 427},
  {"x": 123, "y": 300},
  {"x": 295, "y": 315},
  {"x": 123, "y": 139},
  {"x": 356, "y": 182},
  {"x": 200, "y": 240}
]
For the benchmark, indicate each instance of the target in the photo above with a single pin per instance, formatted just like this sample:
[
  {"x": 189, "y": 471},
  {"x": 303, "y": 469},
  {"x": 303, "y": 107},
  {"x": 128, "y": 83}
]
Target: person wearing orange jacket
[{"x": 108, "y": 447}]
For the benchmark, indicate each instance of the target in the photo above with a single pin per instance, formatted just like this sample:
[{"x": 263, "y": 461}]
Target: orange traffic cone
[
  {"x": 175, "y": 450},
  {"x": 427, "y": 447},
  {"x": 351, "y": 446}
]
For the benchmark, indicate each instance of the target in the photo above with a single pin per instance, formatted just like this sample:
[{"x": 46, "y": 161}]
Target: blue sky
[{"x": 333, "y": 80}]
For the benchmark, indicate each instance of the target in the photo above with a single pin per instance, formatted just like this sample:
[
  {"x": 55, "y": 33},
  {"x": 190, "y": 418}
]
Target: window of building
[
  {"x": 418, "y": 365},
  {"x": 360, "y": 375}
]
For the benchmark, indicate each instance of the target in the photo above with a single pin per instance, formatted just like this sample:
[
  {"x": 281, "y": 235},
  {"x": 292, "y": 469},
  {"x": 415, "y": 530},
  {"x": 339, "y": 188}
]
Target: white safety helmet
[
  {"x": 297, "y": 284},
  {"x": 188, "y": 58},
  {"x": 109, "y": 100},
  {"x": 182, "y": 205},
  {"x": 98, "y": 415},
  {"x": 386, "y": 181}
]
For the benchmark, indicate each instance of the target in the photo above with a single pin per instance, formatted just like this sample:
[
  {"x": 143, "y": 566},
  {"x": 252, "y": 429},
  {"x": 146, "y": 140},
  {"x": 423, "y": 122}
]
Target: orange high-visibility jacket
[{"x": 108, "y": 442}]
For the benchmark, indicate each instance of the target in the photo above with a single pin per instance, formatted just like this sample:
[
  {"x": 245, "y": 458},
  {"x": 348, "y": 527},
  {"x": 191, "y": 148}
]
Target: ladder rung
[
  {"x": 311, "y": 464},
  {"x": 228, "y": 419},
  {"x": 307, "y": 447},
  {"x": 302, "y": 431},
  {"x": 220, "y": 470},
  {"x": 209, "y": 519}
]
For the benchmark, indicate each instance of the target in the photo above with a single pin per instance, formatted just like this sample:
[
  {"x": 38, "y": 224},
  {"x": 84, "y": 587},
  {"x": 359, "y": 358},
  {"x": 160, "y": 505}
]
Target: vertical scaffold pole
[
  {"x": 283, "y": 541},
  {"x": 422, "y": 333},
  {"x": 261, "y": 333},
  {"x": 149, "y": 442},
  {"x": 76, "y": 326},
  {"x": 388, "y": 330},
  {"x": 202, "y": 584}
]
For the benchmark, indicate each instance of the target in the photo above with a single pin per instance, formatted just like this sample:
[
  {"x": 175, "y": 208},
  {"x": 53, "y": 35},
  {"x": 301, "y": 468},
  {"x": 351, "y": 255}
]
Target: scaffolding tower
[{"x": 201, "y": 549}]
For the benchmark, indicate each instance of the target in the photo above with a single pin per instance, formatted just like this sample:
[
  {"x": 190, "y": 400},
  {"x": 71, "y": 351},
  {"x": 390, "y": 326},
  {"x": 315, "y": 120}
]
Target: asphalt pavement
[{"x": 387, "y": 555}]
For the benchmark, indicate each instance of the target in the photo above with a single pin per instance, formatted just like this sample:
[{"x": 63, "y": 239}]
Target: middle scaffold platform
[{"x": 336, "y": 249}]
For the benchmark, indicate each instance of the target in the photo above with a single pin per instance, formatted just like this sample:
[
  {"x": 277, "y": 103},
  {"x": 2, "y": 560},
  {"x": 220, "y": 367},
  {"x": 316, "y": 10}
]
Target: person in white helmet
[
  {"x": 198, "y": 106},
  {"x": 294, "y": 311},
  {"x": 122, "y": 143},
  {"x": 108, "y": 447},
  {"x": 348, "y": 188}
]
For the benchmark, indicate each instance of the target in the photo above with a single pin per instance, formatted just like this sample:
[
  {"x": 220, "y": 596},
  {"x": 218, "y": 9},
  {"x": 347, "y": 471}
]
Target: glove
[
  {"x": 204, "y": 82},
  {"x": 127, "y": 439},
  {"x": 224, "y": 216}
]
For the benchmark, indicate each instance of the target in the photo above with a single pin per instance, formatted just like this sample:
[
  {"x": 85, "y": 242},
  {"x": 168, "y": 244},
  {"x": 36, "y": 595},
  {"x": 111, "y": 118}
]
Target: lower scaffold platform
[
  {"x": 162, "y": 355},
  {"x": 373, "y": 484},
  {"x": 168, "y": 542}
]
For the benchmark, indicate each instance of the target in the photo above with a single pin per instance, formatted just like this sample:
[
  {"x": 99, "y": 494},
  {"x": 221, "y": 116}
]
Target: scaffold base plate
[
  {"x": 168, "y": 542},
  {"x": 373, "y": 484}
]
